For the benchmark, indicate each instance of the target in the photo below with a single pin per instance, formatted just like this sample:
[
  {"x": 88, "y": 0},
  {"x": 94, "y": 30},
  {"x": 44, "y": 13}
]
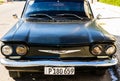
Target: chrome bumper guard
[{"x": 25, "y": 63}]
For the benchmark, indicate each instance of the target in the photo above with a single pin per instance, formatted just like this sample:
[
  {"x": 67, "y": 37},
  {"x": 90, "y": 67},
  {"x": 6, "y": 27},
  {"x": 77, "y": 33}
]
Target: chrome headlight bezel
[{"x": 103, "y": 49}]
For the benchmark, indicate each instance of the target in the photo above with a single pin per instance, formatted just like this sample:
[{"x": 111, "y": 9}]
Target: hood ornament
[{"x": 59, "y": 51}]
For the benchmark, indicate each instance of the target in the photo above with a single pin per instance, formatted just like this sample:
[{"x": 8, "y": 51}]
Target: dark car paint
[
  {"x": 52, "y": 36},
  {"x": 58, "y": 33}
]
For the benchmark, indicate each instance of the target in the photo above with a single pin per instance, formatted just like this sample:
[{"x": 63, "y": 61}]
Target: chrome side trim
[{"x": 25, "y": 63}]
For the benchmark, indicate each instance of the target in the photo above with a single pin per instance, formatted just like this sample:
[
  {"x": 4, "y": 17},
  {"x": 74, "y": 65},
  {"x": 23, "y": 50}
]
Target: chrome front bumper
[{"x": 25, "y": 63}]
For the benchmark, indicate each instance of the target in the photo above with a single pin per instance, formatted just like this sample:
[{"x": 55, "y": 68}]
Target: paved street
[
  {"x": 110, "y": 15},
  {"x": 6, "y": 22},
  {"x": 6, "y": 12}
]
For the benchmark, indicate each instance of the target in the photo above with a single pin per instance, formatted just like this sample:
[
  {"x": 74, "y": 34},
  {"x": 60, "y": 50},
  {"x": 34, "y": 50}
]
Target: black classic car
[{"x": 57, "y": 37}]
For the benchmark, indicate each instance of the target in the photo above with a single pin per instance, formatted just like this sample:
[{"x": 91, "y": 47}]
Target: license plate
[{"x": 59, "y": 70}]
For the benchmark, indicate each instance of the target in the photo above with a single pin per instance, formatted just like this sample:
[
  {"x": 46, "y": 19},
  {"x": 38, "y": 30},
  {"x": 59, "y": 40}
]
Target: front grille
[{"x": 84, "y": 52}]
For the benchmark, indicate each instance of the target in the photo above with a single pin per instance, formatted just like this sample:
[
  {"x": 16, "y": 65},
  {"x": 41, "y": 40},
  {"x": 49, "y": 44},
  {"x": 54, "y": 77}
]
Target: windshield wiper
[
  {"x": 70, "y": 15},
  {"x": 41, "y": 15}
]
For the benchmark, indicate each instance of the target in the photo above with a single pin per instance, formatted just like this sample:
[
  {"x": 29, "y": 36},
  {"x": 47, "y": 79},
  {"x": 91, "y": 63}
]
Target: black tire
[{"x": 14, "y": 74}]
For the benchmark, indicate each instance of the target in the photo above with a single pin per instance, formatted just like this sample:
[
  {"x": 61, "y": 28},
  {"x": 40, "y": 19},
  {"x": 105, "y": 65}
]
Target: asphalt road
[{"x": 6, "y": 22}]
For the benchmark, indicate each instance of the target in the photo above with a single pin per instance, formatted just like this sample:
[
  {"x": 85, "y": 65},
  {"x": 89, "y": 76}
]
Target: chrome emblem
[{"x": 59, "y": 51}]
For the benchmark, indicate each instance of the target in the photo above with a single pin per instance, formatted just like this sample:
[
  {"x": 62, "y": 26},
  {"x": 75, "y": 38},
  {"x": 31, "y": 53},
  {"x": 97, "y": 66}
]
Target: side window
[{"x": 88, "y": 10}]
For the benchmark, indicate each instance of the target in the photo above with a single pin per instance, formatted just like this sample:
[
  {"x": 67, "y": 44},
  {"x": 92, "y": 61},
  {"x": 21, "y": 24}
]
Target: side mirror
[{"x": 15, "y": 16}]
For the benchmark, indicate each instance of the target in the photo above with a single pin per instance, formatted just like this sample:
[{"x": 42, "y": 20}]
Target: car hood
[{"x": 54, "y": 33}]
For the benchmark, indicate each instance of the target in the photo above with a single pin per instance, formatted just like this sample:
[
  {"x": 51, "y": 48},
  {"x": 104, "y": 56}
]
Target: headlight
[
  {"x": 21, "y": 49},
  {"x": 96, "y": 49},
  {"x": 7, "y": 50},
  {"x": 111, "y": 49}
]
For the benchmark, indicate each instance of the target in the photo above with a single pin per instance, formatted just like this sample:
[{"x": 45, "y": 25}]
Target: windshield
[{"x": 54, "y": 7}]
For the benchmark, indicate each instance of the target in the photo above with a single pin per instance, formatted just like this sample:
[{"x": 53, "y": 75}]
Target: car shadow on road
[
  {"x": 118, "y": 48},
  {"x": 118, "y": 45},
  {"x": 82, "y": 76}
]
